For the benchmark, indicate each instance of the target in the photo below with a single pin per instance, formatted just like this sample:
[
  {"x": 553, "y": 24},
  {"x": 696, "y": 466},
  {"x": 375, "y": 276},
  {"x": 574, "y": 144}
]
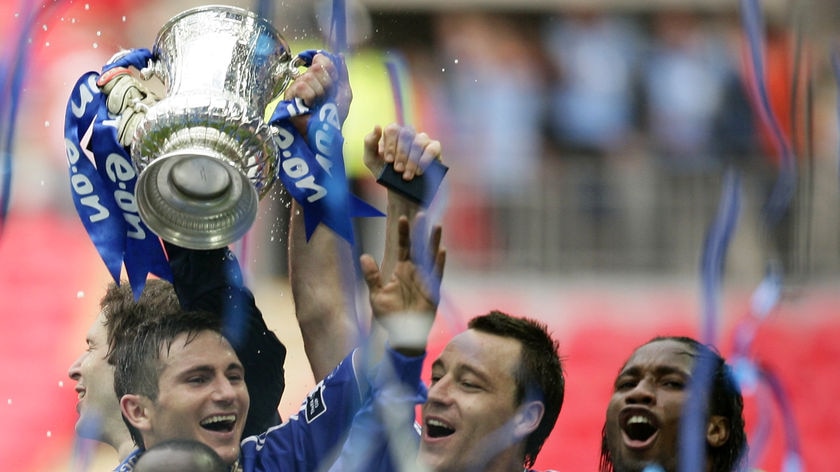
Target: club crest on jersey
[{"x": 315, "y": 405}]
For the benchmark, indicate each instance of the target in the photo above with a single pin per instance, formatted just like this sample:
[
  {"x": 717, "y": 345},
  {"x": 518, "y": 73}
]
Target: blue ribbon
[
  {"x": 103, "y": 187},
  {"x": 753, "y": 23},
  {"x": 715, "y": 249},
  {"x": 767, "y": 295},
  {"x": 692, "y": 427},
  {"x": 12, "y": 74},
  {"x": 312, "y": 170},
  {"x": 397, "y": 73},
  {"x": 338, "y": 27}
]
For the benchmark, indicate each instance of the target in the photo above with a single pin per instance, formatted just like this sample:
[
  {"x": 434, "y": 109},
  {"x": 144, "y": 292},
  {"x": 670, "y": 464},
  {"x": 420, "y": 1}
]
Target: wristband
[
  {"x": 421, "y": 189},
  {"x": 408, "y": 329}
]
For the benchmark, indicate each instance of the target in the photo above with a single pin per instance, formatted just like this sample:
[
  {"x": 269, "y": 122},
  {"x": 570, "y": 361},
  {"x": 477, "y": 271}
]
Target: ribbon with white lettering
[
  {"x": 312, "y": 169},
  {"x": 102, "y": 180}
]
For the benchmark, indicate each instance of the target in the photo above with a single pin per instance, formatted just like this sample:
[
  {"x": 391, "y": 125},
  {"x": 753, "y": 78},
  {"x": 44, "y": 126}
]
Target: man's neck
[
  {"x": 504, "y": 463},
  {"x": 124, "y": 448}
]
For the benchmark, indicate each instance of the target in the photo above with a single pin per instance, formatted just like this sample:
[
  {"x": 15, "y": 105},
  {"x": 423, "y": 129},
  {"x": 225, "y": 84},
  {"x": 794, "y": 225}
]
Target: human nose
[
  {"x": 440, "y": 391},
  {"x": 642, "y": 393},
  {"x": 225, "y": 391},
  {"x": 75, "y": 371}
]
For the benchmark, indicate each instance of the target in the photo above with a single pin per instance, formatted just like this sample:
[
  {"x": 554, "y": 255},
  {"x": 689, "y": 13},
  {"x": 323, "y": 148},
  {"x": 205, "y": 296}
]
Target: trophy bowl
[{"x": 204, "y": 155}]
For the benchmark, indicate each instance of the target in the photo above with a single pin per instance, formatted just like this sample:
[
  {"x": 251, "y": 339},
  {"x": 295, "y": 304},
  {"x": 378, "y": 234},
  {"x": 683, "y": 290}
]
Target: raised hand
[
  {"x": 318, "y": 80},
  {"x": 409, "y": 151},
  {"x": 413, "y": 289}
]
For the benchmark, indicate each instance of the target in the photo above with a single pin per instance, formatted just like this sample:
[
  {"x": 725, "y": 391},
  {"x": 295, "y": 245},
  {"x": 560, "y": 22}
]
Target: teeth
[
  {"x": 219, "y": 419},
  {"x": 437, "y": 423},
  {"x": 638, "y": 420}
]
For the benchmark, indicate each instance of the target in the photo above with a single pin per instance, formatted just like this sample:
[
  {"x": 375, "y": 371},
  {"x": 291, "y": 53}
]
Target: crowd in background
[
  {"x": 589, "y": 139},
  {"x": 579, "y": 140}
]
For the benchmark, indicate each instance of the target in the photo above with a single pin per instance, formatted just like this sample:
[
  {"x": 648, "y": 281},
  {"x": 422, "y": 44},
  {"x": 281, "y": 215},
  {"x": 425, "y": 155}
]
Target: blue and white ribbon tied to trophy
[
  {"x": 201, "y": 153},
  {"x": 204, "y": 154}
]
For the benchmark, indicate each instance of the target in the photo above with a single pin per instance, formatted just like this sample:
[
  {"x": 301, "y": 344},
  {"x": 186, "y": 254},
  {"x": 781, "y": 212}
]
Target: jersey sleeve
[
  {"x": 383, "y": 435},
  {"x": 315, "y": 436}
]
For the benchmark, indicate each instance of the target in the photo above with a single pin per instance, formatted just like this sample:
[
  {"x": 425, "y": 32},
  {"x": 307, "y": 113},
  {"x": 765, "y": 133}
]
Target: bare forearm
[
  {"x": 397, "y": 206},
  {"x": 322, "y": 280}
]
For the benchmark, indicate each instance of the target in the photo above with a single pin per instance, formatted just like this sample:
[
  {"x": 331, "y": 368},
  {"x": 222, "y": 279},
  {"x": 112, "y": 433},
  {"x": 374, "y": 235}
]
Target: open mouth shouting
[
  {"x": 437, "y": 429},
  {"x": 639, "y": 428}
]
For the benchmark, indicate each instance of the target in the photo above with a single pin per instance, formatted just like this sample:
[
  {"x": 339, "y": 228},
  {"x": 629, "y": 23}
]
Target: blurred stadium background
[{"x": 587, "y": 142}]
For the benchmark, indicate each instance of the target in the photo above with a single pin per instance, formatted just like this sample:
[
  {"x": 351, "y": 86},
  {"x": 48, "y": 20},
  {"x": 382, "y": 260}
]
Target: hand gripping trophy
[{"x": 203, "y": 152}]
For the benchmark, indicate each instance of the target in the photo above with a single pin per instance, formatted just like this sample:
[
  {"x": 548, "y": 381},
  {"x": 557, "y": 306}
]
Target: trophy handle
[
  {"x": 295, "y": 65},
  {"x": 289, "y": 71}
]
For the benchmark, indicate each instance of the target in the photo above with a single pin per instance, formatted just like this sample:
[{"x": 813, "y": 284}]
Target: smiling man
[
  {"x": 206, "y": 280},
  {"x": 182, "y": 379},
  {"x": 643, "y": 417},
  {"x": 179, "y": 378},
  {"x": 495, "y": 395},
  {"x": 496, "y": 392},
  {"x": 97, "y": 406}
]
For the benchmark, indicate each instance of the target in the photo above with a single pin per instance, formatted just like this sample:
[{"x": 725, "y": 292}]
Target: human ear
[
  {"x": 717, "y": 431},
  {"x": 528, "y": 417},
  {"x": 133, "y": 408}
]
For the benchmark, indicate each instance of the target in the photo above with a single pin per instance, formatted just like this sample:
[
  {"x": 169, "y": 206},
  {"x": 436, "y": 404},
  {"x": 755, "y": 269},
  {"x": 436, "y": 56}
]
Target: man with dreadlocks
[{"x": 644, "y": 414}]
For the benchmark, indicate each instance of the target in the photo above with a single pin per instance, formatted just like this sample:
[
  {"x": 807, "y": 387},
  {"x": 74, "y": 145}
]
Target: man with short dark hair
[
  {"x": 180, "y": 378},
  {"x": 496, "y": 392},
  {"x": 210, "y": 281}
]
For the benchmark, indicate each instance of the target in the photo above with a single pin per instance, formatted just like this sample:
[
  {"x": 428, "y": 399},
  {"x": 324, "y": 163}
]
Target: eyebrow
[
  {"x": 208, "y": 369},
  {"x": 658, "y": 370}
]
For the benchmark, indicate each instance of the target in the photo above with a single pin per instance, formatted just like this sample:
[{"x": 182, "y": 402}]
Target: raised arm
[
  {"x": 211, "y": 281},
  {"x": 331, "y": 411},
  {"x": 321, "y": 270},
  {"x": 406, "y": 302},
  {"x": 410, "y": 153},
  {"x": 382, "y": 436}
]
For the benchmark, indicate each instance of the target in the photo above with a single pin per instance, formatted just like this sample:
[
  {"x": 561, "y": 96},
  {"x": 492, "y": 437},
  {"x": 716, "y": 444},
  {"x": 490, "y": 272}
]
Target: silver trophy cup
[{"x": 204, "y": 154}]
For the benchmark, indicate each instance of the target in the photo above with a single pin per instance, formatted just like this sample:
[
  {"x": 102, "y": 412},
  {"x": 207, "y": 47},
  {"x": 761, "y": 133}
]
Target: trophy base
[{"x": 196, "y": 200}]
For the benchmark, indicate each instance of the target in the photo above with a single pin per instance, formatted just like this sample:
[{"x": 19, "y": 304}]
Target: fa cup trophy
[{"x": 204, "y": 154}]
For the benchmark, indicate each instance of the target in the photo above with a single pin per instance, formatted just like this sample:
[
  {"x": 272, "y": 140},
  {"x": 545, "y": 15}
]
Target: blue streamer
[
  {"x": 768, "y": 294},
  {"x": 783, "y": 190},
  {"x": 715, "y": 249},
  {"x": 693, "y": 424},
  {"x": 265, "y": 9},
  {"x": 396, "y": 66},
  {"x": 338, "y": 27},
  {"x": 103, "y": 187},
  {"x": 12, "y": 74},
  {"x": 792, "y": 461},
  {"x": 760, "y": 434},
  {"x": 312, "y": 169}
]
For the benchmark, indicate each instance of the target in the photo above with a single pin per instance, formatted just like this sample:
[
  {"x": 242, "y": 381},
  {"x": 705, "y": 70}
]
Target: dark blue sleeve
[
  {"x": 383, "y": 433},
  {"x": 311, "y": 436},
  {"x": 312, "y": 439},
  {"x": 212, "y": 281}
]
